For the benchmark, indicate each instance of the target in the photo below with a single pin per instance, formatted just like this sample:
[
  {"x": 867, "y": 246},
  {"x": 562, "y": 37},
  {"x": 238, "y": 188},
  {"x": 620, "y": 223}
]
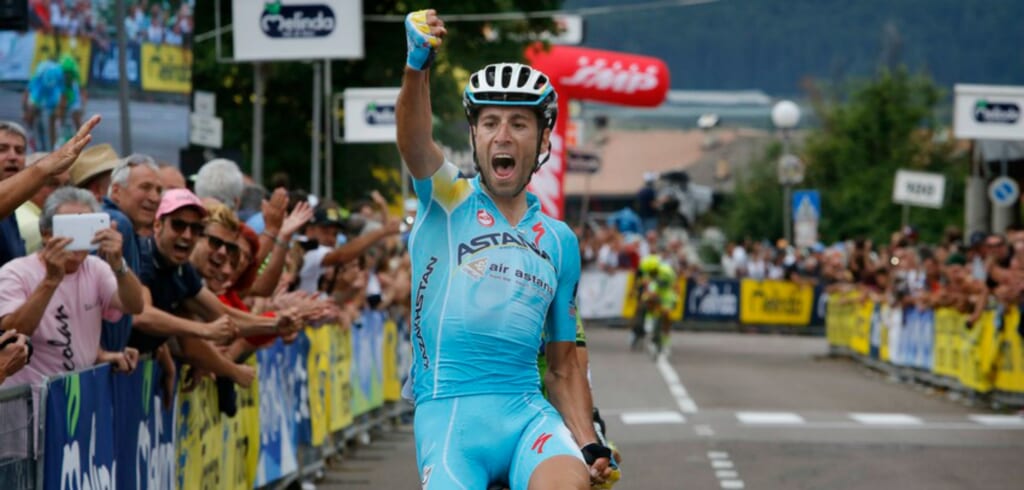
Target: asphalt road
[
  {"x": 760, "y": 412},
  {"x": 159, "y": 130}
]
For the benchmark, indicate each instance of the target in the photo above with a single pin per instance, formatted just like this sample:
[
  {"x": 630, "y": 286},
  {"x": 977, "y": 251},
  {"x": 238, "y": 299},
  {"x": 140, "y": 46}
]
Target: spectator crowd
[{"x": 197, "y": 272}]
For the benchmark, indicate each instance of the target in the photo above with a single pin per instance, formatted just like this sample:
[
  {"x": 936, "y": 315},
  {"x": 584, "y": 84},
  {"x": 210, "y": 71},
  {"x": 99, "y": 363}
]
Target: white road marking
[
  {"x": 717, "y": 454},
  {"x": 998, "y": 420},
  {"x": 720, "y": 464},
  {"x": 885, "y": 419},
  {"x": 637, "y": 418},
  {"x": 725, "y": 474},
  {"x": 769, "y": 418},
  {"x": 704, "y": 430},
  {"x": 675, "y": 387},
  {"x": 732, "y": 483}
]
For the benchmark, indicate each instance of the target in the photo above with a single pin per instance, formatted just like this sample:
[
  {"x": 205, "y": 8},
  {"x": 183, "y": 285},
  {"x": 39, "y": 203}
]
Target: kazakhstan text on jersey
[{"x": 484, "y": 291}]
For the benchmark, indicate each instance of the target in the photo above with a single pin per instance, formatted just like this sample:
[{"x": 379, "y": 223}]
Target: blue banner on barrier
[
  {"x": 875, "y": 340},
  {"x": 926, "y": 338},
  {"x": 712, "y": 300},
  {"x": 820, "y": 304},
  {"x": 143, "y": 430},
  {"x": 278, "y": 428},
  {"x": 103, "y": 64},
  {"x": 77, "y": 454},
  {"x": 295, "y": 380}
]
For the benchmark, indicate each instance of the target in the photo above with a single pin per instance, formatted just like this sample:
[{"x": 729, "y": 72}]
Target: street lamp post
[{"x": 785, "y": 116}]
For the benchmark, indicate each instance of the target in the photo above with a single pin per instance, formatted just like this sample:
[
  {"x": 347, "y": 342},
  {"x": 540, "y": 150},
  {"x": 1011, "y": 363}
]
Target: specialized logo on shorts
[
  {"x": 476, "y": 268},
  {"x": 538, "y": 445},
  {"x": 484, "y": 218},
  {"x": 426, "y": 476}
]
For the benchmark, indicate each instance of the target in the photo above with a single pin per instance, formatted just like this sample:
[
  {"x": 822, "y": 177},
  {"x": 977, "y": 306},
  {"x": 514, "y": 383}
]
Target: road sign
[
  {"x": 791, "y": 170},
  {"x": 205, "y": 130},
  {"x": 919, "y": 189},
  {"x": 806, "y": 209},
  {"x": 1003, "y": 191},
  {"x": 806, "y": 205}
]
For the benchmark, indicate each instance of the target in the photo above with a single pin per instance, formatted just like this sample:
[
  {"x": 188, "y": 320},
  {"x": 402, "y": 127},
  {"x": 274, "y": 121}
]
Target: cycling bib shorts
[{"x": 475, "y": 441}]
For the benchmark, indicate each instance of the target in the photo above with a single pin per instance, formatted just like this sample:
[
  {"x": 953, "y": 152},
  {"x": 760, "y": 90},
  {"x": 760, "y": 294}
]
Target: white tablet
[{"x": 81, "y": 228}]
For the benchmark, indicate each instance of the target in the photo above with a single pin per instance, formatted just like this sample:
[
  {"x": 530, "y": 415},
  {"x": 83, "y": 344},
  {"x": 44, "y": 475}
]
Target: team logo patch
[
  {"x": 484, "y": 218},
  {"x": 539, "y": 229},
  {"x": 476, "y": 268}
]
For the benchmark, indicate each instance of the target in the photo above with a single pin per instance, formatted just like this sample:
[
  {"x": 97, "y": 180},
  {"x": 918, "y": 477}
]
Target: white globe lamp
[{"x": 785, "y": 114}]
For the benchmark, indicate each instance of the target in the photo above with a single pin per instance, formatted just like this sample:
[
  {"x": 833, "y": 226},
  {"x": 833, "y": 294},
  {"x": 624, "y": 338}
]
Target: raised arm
[
  {"x": 24, "y": 184},
  {"x": 413, "y": 116}
]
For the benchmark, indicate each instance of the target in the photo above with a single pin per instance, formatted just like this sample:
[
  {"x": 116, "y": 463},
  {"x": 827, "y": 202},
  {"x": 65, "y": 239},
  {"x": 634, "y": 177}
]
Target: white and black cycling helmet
[{"x": 512, "y": 85}]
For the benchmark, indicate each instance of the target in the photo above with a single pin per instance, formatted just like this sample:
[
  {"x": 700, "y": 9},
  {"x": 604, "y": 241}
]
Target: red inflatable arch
[{"x": 589, "y": 74}]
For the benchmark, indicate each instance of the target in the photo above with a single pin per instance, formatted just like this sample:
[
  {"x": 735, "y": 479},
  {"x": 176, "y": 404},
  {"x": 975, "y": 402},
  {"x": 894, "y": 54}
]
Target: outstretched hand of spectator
[
  {"x": 274, "y": 209},
  {"x": 62, "y": 159},
  {"x": 299, "y": 216},
  {"x": 110, "y": 245},
  {"x": 122, "y": 362}
]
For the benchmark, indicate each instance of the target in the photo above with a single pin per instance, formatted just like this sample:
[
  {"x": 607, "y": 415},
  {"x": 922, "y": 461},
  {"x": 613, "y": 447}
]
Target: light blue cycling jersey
[
  {"x": 485, "y": 291},
  {"x": 46, "y": 85}
]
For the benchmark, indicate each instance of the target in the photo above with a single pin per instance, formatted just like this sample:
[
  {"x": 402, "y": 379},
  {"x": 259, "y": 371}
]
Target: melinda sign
[
  {"x": 297, "y": 29},
  {"x": 988, "y": 112}
]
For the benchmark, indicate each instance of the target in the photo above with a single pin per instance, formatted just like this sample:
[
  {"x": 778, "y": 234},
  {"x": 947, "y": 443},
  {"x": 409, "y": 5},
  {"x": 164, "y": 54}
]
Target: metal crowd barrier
[
  {"x": 17, "y": 442},
  {"x": 312, "y": 401},
  {"x": 982, "y": 360}
]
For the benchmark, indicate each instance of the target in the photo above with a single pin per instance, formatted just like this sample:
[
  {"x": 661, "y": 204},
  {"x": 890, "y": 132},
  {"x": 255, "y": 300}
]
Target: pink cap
[{"x": 176, "y": 199}]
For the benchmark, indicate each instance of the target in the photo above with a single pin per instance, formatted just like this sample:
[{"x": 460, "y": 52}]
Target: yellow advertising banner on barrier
[
  {"x": 1010, "y": 361},
  {"x": 201, "y": 448},
  {"x": 340, "y": 402},
  {"x": 52, "y": 47},
  {"x": 976, "y": 344},
  {"x": 392, "y": 382},
  {"x": 318, "y": 364},
  {"x": 884, "y": 317},
  {"x": 166, "y": 68},
  {"x": 245, "y": 433},
  {"x": 775, "y": 303},
  {"x": 860, "y": 328},
  {"x": 629, "y": 305},
  {"x": 839, "y": 315},
  {"x": 948, "y": 323}
]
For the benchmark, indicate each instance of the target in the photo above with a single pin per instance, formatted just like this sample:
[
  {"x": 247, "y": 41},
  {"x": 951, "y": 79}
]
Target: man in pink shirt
[{"x": 58, "y": 297}]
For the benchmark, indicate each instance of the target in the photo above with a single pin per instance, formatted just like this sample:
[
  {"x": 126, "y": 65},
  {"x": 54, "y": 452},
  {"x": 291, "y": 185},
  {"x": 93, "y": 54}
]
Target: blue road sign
[{"x": 805, "y": 202}]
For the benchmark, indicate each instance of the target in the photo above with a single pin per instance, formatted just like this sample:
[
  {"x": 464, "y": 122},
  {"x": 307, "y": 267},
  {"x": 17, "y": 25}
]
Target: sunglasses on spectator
[
  {"x": 179, "y": 226},
  {"x": 234, "y": 251}
]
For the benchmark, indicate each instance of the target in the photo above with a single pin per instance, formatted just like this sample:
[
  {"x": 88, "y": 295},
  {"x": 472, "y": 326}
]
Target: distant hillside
[{"x": 772, "y": 44}]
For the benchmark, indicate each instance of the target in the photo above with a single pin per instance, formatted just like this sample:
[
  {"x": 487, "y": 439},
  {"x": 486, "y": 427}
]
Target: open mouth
[
  {"x": 504, "y": 165},
  {"x": 182, "y": 247},
  {"x": 11, "y": 169}
]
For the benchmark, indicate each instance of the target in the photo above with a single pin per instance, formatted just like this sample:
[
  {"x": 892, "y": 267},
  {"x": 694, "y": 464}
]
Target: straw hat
[{"x": 92, "y": 162}]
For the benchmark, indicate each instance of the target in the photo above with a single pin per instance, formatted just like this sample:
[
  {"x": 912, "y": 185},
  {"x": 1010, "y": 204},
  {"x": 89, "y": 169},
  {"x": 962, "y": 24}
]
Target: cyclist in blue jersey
[
  {"x": 42, "y": 99},
  {"x": 491, "y": 276}
]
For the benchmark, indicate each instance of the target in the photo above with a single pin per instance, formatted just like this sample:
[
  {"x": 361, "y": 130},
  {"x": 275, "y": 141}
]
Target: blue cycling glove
[{"x": 420, "y": 42}]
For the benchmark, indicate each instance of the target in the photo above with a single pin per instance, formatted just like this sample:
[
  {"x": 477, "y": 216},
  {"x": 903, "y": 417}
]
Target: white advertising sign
[
  {"x": 988, "y": 112},
  {"x": 919, "y": 189},
  {"x": 297, "y": 29},
  {"x": 205, "y": 103},
  {"x": 370, "y": 115},
  {"x": 205, "y": 131}
]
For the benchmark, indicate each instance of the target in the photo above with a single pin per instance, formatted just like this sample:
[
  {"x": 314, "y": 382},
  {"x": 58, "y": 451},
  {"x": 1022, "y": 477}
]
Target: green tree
[
  {"x": 288, "y": 110},
  {"x": 882, "y": 125}
]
